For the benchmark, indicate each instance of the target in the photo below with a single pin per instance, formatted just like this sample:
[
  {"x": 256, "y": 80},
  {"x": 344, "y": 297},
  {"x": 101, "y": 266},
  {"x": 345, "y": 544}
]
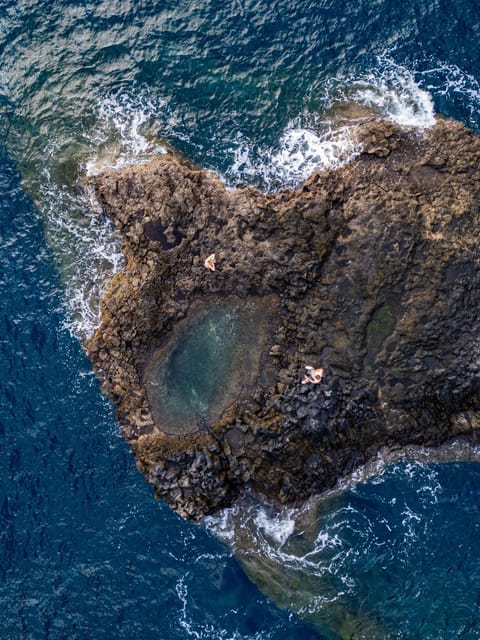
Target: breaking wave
[
  {"x": 300, "y": 152},
  {"x": 323, "y": 136},
  {"x": 390, "y": 90},
  {"x": 86, "y": 249}
]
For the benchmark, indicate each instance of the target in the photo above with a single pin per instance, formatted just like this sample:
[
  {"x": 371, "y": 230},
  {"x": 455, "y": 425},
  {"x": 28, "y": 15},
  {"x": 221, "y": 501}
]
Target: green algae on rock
[{"x": 370, "y": 271}]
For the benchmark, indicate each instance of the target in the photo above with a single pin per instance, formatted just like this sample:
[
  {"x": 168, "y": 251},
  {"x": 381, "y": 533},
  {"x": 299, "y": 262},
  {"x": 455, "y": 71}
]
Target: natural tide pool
[{"x": 208, "y": 363}]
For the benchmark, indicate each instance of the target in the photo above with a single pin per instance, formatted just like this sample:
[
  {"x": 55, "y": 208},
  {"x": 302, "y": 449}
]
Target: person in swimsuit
[{"x": 312, "y": 376}]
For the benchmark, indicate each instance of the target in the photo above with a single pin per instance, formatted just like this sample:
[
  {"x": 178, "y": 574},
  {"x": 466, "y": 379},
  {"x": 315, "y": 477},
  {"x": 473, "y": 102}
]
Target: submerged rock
[{"x": 370, "y": 272}]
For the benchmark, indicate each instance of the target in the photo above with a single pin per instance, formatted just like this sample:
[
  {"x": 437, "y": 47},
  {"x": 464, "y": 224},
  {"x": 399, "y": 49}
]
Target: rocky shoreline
[{"x": 370, "y": 271}]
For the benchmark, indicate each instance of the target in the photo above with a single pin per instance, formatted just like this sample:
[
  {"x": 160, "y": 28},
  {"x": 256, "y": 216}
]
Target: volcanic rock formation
[{"x": 370, "y": 271}]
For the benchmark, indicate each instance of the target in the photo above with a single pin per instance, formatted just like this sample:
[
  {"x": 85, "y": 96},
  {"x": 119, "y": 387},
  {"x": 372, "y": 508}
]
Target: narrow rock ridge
[{"x": 371, "y": 272}]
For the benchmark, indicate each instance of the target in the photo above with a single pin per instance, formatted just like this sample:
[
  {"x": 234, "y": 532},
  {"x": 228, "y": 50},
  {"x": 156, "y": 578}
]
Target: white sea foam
[
  {"x": 390, "y": 90},
  {"x": 303, "y": 570},
  {"x": 414, "y": 527},
  {"x": 301, "y": 150},
  {"x": 278, "y": 527},
  {"x": 272, "y": 533},
  {"x": 86, "y": 250},
  {"x": 125, "y": 130}
]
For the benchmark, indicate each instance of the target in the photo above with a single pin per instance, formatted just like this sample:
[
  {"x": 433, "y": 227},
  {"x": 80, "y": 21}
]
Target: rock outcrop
[{"x": 370, "y": 271}]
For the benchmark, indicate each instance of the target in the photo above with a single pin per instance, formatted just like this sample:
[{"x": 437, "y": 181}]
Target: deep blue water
[{"x": 250, "y": 89}]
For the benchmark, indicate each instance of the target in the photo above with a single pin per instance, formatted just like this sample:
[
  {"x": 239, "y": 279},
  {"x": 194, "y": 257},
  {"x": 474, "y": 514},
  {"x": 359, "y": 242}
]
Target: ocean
[{"x": 255, "y": 91}]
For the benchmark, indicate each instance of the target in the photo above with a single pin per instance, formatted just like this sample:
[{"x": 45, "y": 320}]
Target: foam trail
[{"x": 202, "y": 631}]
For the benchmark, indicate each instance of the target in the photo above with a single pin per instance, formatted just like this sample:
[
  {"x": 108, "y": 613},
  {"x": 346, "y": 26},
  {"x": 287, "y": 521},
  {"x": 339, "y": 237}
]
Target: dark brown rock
[{"x": 372, "y": 272}]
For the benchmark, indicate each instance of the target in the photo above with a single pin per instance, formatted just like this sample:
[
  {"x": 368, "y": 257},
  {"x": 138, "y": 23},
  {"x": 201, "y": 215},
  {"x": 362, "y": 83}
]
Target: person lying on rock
[
  {"x": 312, "y": 376},
  {"x": 210, "y": 262}
]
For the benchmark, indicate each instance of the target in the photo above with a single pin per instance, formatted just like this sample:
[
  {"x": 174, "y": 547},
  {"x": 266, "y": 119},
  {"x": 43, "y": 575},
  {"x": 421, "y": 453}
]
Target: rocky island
[{"x": 369, "y": 274}]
